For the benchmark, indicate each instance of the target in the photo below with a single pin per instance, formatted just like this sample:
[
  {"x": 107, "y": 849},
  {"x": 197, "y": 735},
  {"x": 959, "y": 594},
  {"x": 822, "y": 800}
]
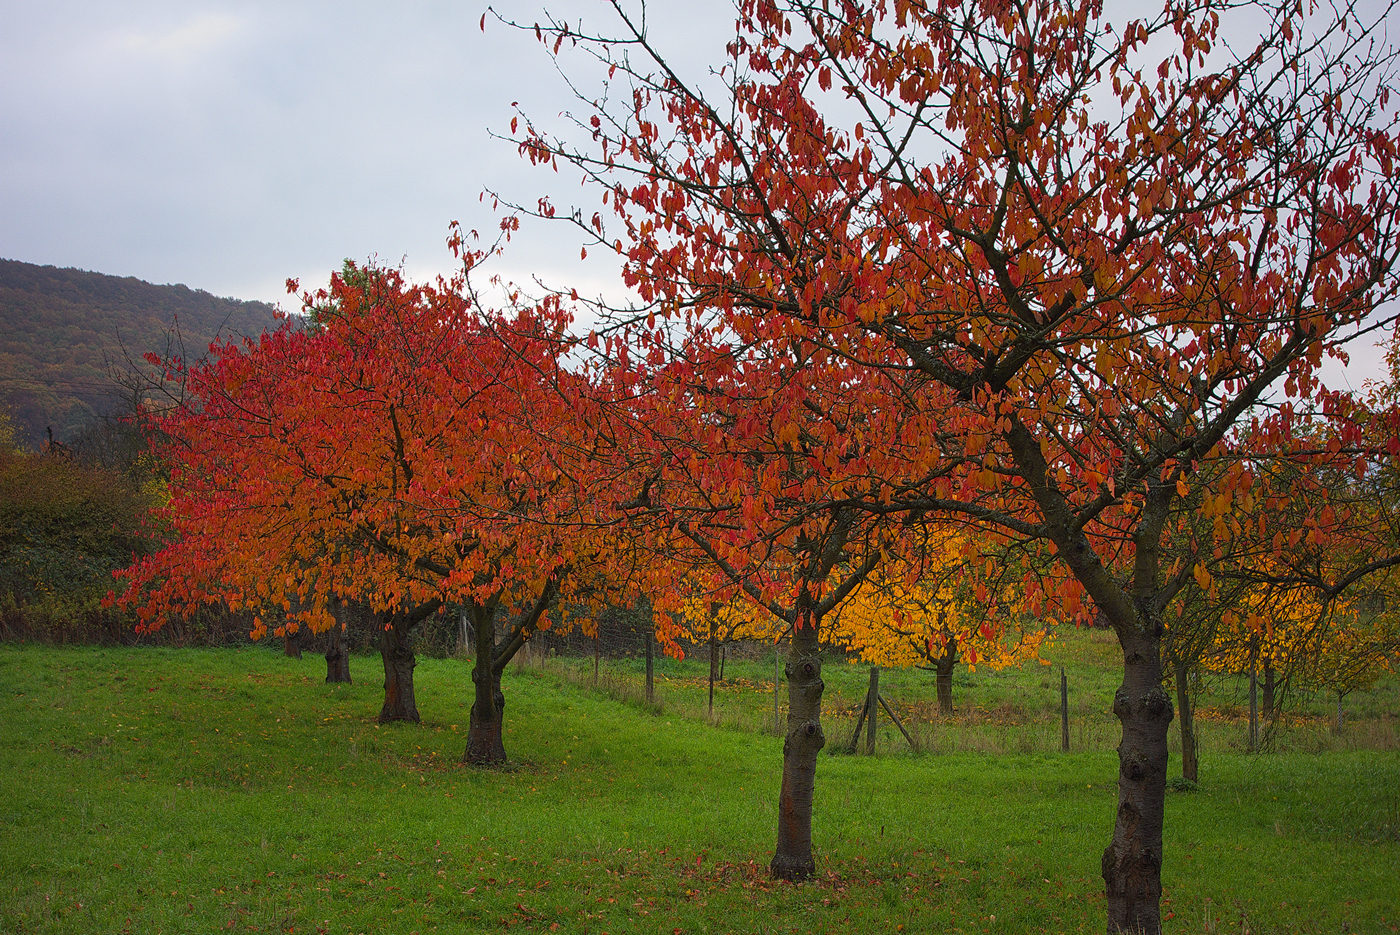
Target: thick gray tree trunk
[
  {"x": 485, "y": 733},
  {"x": 792, "y": 860},
  {"x": 400, "y": 703},
  {"x": 1132, "y": 863}
]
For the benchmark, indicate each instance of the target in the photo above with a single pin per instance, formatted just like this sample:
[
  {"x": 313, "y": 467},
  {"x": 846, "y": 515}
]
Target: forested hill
[{"x": 61, "y": 328}]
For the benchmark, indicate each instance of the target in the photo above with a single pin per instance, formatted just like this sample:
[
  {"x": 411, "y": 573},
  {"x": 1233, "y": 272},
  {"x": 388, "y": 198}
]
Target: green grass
[{"x": 161, "y": 790}]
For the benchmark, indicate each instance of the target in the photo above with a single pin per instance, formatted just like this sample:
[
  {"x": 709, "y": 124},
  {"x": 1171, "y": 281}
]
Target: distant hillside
[{"x": 60, "y": 329}]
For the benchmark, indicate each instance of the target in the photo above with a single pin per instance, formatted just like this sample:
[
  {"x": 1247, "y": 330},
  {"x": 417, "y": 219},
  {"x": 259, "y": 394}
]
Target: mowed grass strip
[{"x": 162, "y": 790}]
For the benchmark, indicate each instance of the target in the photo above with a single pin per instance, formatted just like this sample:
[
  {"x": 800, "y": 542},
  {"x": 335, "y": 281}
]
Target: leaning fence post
[
  {"x": 894, "y": 717},
  {"x": 870, "y": 702}
]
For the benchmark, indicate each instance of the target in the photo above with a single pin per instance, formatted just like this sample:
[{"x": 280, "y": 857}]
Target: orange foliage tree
[
  {"x": 409, "y": 450},
  {"x": 742, "y": 458},
  {"x": 1097, "y": 266},
  {"x": 1300, "y": 580}
]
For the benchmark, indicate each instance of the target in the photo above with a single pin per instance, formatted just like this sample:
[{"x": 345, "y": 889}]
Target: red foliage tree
[
  {"x": 1097, "y": 265},
  {"x": 749, "y": 473},
  {"x": 407, "y": 450}
]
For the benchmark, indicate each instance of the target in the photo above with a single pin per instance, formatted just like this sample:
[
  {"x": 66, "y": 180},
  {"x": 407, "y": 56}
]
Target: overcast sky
[{"x": 231, "y": 145}]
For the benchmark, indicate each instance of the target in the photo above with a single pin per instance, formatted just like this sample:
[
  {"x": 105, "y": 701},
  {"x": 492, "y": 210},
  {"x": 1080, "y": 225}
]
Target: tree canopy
[
  {"x": 1094, "y": 266},
  {"x": 911, "y": 274}
]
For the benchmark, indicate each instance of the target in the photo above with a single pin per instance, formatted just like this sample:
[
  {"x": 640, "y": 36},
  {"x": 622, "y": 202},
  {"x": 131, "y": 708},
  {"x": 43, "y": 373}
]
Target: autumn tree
[
  {"x": 954, "y": 604},
  {"x": 411, "y": 450},
  {"x": 1087, "y": 254},
  {"x": 716, "y": 623},
  {"x": 740, "y": 479},
  {"x": 65, "y": 524}
]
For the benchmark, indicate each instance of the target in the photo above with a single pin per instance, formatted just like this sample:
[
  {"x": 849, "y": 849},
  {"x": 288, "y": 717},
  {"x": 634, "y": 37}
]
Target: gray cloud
[{"x": 230, "y": 145}]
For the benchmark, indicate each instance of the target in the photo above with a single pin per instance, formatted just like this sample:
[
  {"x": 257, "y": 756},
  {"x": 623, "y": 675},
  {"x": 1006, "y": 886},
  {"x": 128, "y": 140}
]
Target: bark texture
[
  {"x": 944, "y": 676},
  {"x": 399, "y": 701},
  {"x": 485, "y": 736},
  {"x": 337, "y": 656},
  {"x": 793, "y": 858},
  {"x": 1132, "y": 863}
]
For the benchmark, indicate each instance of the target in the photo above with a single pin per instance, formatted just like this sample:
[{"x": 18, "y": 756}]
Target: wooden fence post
[
  {"x": 647, "y": 638},
  {"x": 870, "y": 701},
  {"x": 1064, "y": 711},
  {"x": 714, "y": 660},
  {"x": 1254, "y": 697}
]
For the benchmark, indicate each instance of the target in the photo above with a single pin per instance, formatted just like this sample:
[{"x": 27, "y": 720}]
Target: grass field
[{"x": 182, "y": 790}]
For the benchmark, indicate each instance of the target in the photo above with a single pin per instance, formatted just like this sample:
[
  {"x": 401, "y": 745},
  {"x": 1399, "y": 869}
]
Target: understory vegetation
[{"x": 178, "y": 790}]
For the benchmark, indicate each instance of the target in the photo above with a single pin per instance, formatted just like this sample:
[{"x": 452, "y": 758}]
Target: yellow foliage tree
[
  {"x": 1291, "y": 635},
  {"x": 708, "y": 616},
  {"x": 956, "y": 606}
]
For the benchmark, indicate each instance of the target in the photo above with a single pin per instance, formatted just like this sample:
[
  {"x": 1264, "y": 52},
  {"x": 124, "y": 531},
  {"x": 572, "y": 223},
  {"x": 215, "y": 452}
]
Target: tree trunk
[
  {"x": 944, "y": 677},
  {"x": 291, "y": 644},
  {"x": 485, "y": 735},
  {"x": 399, "y": 702},
  {"x": 337, "y": 654},
  {"x": 1132, "y": 863},
  {"x": 1189, "y": 762},
  {"x": 792, "y": 860}
]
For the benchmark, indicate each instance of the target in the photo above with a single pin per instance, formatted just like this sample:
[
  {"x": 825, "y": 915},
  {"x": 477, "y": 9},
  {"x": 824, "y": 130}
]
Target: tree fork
[
  {"x": 485, "y": 734},
  {"x": 396, "y": 649}
]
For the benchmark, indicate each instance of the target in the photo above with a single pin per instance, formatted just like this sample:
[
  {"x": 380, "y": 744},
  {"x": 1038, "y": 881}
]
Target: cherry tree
[{"x": 1095, "y": 266}]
